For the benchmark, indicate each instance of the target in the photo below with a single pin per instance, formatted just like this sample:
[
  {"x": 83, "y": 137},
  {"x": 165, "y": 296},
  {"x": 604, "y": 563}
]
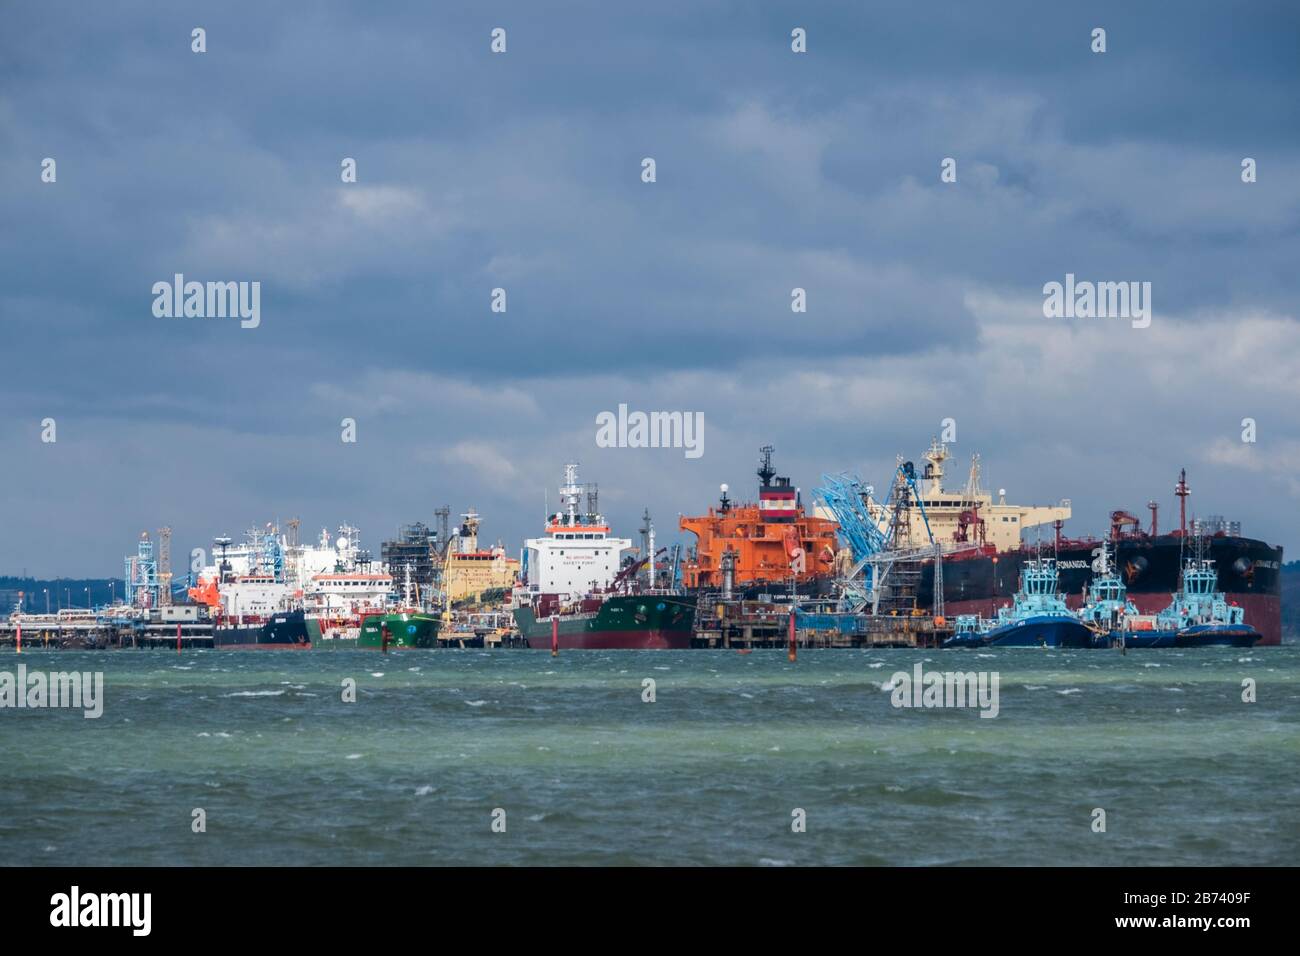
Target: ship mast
[
  {"x": 571, "y": 494},
  {"x": 935, "y": 458},
  {"x": 469, "y": 531},
  {"x": 765, "y": 469},
  {"x": 647, "y": 532},
  {"x": 1182, "y": 491},
  {"x": 650, "y": 553},
  {"x": 973, "y": 481}
]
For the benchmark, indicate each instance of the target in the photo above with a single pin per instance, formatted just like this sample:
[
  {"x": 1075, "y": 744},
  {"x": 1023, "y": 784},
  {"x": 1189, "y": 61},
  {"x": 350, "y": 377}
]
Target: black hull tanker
[{"x": 284, "y": 631}]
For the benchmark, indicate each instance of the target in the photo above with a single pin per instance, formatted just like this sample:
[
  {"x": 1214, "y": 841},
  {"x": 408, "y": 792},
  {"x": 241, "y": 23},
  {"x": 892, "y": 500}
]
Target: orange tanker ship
[{"x": 772, "y": 541}]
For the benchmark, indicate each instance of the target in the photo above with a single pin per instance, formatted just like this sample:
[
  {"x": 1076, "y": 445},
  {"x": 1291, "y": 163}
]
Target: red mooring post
[
  {"x": 791, "y": 635},
  {"x": 20, "y": 638},
  {"x": 555, "y": 637}
]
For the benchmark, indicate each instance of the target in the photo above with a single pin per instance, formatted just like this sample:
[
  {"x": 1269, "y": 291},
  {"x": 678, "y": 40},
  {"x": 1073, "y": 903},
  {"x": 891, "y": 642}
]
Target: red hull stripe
[{"x": 616, "y": 641}]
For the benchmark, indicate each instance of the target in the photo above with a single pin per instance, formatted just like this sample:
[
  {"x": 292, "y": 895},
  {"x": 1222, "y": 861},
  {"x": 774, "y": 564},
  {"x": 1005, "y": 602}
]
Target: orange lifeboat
[{"x": 205, "y": 592}]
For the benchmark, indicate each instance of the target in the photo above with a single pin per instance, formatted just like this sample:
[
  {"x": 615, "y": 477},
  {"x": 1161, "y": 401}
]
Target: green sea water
[{"x": 711, "y": 772}]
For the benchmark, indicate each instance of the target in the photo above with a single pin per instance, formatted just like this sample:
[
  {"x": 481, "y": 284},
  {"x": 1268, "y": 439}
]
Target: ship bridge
[
  {"x": 967, "y": 516},
  {"x": 953, "y": 513}
]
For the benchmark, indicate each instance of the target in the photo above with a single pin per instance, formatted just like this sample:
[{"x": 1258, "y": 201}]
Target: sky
[{"x": 522, "y": 170}]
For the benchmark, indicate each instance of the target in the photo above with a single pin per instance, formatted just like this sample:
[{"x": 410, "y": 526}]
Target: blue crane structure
[{"x": 847, "y": 497}]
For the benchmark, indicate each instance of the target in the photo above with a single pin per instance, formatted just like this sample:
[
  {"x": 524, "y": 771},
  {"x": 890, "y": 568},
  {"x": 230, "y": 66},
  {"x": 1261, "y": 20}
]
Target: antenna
[
  {"x": 646, "y": 531},
  {"x": 765, "y": 469},
  {"x": 571, "y": 493},
  {"x": 973, "y": 480},
  {"x": 1182, "y": 491}
]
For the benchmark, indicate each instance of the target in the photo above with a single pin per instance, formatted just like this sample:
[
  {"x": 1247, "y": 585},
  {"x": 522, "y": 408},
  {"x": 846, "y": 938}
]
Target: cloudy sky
[{"x": 522, "y": 170}]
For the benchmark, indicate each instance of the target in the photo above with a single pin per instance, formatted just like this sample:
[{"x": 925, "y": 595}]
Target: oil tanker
[
  {"x": 616, "y": 622},
  {"x": 574, "y": 594},
  {"x": 982, "y": 571},
  {"x": 773, "y": 545}
]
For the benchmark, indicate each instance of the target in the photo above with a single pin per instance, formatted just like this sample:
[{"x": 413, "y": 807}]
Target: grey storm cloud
[{"x": 522, "y": 171}]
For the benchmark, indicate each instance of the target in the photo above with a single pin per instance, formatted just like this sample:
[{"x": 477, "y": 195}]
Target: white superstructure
[
  {"x": 969, "y": 515},
  {"x": 267, "y": 573},
  {"x": 346, "y": 593},
  {"x": 577, "y": 556},
  {"x": 252, "y": 598},
  {"x": 268, "y": 552}
]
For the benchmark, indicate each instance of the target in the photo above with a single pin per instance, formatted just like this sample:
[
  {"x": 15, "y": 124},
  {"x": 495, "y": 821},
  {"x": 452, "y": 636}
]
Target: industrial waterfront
[{"x": 920, "y": 565}]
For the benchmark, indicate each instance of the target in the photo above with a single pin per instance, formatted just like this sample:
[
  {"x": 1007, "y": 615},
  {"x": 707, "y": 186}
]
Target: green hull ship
[
  {"x": 404, "y": 629},
  {"x": 332, "y": 636},
  {"x": 623, "y": 622}
]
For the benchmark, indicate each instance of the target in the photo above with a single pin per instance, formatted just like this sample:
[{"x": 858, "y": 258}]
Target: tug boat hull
[{"x": 1045, "y": 630}]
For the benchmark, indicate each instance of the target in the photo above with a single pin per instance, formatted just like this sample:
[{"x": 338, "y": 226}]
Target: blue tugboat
[
  {"x": 1038, "y": 617},
  {"x": 1200, "y": 616},
  {"x": 1106, "y": 605},
  {"x": 969, "y": 630}
]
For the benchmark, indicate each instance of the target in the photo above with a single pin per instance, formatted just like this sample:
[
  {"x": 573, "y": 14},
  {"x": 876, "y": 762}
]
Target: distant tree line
[
  {"x": 58, "y": 592},
  {"x": 1291, "y": 601}
]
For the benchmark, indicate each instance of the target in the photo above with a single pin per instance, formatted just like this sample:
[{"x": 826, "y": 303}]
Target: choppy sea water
[{"x": 711, "y": 772}]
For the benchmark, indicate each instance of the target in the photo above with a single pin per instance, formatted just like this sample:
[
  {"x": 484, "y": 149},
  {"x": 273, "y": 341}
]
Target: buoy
[
  {"x": 555, "y": 637},
  {"x": 791, "y": 634}
]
